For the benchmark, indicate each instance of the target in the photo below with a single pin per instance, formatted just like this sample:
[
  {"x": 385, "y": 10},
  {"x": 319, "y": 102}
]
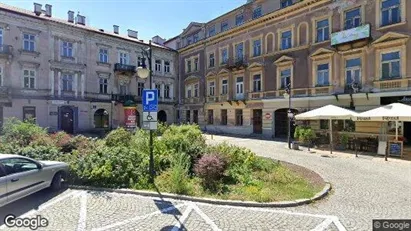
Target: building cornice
[{"x": 282, "y": 13}]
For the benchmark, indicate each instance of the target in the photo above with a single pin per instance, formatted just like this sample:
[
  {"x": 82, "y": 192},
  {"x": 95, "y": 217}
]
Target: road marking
[
  {"x": 206, "y": 218},
  {"x": 46, "y": 205},
  {"x": 182, "y": 219},
  {"x": 168, "y": 209},
  {"x": 337, "y": 223},
  {"x": 83, "y": 212},
  {"x": 323, "y": 225}
]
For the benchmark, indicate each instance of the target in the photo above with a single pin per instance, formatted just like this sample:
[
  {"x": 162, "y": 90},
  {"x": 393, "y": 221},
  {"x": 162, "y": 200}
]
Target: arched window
[{"x": 101, "y": 119}]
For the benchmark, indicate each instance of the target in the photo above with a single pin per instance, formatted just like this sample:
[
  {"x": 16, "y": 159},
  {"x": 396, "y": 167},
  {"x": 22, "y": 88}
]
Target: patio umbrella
[
  {"x": 329, "y": 112},
  {"x": 392, "y": 112}
]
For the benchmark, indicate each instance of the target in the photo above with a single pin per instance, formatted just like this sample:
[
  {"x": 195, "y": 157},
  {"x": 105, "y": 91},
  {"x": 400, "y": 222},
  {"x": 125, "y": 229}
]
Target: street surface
[{"x": 363, "y": 189}]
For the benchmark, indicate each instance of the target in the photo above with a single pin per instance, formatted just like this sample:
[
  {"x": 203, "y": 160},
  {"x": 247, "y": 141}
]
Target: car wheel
[{"x": 56, "y": 182}]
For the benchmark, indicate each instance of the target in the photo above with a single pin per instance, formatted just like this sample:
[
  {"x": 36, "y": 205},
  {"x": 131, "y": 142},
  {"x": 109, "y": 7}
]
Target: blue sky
[{"x": 166, "y": 18}]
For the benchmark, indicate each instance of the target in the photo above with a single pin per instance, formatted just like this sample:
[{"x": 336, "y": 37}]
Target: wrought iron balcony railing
[{"x": 124, "y": 68}]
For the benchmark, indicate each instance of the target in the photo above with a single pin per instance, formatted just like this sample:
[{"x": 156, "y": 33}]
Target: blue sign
[{"x": 150, "y": 100}]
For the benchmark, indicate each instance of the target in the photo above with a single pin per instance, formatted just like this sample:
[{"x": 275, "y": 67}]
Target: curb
[{"x": 324, "y": 192}]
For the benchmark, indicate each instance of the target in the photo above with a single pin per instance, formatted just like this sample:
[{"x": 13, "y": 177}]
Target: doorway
[
  {"x": 138, "y": 119},
  {"x": 195, "y": 116},
  {"x": 67, "y": 119},
  {"x": 258, "y": 121},
  {"x": 281, "y": 123},
  {"x": 162, "y": 116},
  {"x": 407, "y": 133}
]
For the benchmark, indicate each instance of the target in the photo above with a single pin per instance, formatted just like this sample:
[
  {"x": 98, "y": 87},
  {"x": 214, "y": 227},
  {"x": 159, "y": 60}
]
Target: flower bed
[{"x": 184, "y": 164}]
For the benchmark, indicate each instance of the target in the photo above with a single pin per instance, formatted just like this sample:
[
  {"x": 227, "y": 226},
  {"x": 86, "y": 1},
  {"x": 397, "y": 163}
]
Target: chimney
[
  {"x": 70, "y": 16},
  {"x": 132, "y": 34},
  {"x": 157, "y": 39},
  {"x": 115, "y": 29},
  {"x": 81, "y": 19},
  {"x": 48, "y": 10},
  {"x": 37, "y": 9}
]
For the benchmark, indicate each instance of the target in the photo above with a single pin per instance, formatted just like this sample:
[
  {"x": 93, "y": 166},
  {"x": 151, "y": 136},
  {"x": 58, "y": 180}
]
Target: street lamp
[
  {"x": 143, "y": 73},
  {"x": 290, "y": 114}
]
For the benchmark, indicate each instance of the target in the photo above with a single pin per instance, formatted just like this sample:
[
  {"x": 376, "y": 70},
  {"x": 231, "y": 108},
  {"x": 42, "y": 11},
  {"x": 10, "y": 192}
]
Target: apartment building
[
  {"x": 236, "y": 68},
  {"x": 76, "y": 78}
]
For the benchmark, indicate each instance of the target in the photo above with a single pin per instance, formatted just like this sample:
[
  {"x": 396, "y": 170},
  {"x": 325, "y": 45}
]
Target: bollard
[{"x": 211, "y": 136}]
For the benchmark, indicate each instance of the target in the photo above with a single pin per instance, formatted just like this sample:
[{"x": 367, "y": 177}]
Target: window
[
  {"x": 18, "y": 165},
  {"x": 223, "y": 116},
  {"x": 188, "y": 66},
  {"x": 211, "y": 60},
  {"x": 158, "y": 87},
  {"x": 324, "y": 124},
  {"x": 211, "y": 88},
  {"x": 211, "y": 31},
  {"x": 323, "y": 75},
  {"x": 196, "y": 64},
  {"x": 224, "y": 87},
  {"x": 239, "y": 19},
  {"x": 238, "y": 117},
  {"x": 285, "y": 78},
  {"x": 67, "y": 49},
  {"x": 167, "y": 91},
  {"x": 158, "y": 65},
  {"x": 123, "y": 58},
  {"x": 188, "y": 91},
  {"x": 103, "y": 86},
  {"x": 390, "y": 12},
  {"x": 224, "y": 26},
  {"x": 140, "y": 88},
  {"x": 286, "y": 39},
  {"x": 167, "y": 66},
  {"x": 239, "y": 49},
  {"x": 29, "y": 42},
  {"x": 257, "y": 12},
  {"x": 29, "y": 113},
  {"x": 103, "y": 56},
  {"x": 195, "y": 38},
  {"x": 257, "y": 83},
  {"x": 256, "y": 48},
  {"x": 390, "y": 65},
  {"x": 188, "y": 116},
  {"x": 189, "y": 41},
  {"x": 323, "y": 30},
  {"x": 239, "y": 85},
  {"x": 1, "y": 36},
  {"x": 210, "y": 117},
  {"x": 101, "y": 119},
  {"x": 67, "y": 82},
  {"x": 224, "y": 56},
  {"x": 140, "y": 61},
  {"x": 29, "y": 78},
  {"x": 285, "y": 3},
  {"x": 353, "y": 71},
  {"x": 352, "y": 18},
  {"x": 123, "y": 89},
  {"x": 196, "y": 90}
]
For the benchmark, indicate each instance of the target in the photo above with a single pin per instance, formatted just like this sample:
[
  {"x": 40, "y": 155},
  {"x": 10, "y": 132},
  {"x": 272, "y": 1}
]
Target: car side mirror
[{"x": 39, "y": 166}]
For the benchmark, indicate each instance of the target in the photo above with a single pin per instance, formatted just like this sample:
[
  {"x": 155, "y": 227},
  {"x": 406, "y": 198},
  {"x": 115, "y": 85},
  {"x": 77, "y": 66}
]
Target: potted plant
[
  {"x": 343, "y": 141},
  {"x": 308, "y": 136}
]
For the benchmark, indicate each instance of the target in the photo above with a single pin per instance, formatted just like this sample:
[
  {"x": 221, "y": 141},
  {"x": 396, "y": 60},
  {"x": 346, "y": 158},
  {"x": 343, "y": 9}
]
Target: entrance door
[
  {"x": 258, "y": 121},
  {"x": 66, "y": 119},
  {"x": 239, "y": 88},
  {"x": 281, "y": 123},
  {"x": 195, "y": 116},
  {"x": 162, "y": 116},
  {"x": 407, "y": 133}
]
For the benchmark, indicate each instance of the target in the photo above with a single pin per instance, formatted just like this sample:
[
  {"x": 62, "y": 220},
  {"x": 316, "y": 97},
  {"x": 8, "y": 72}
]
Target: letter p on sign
[{"x": 150, "y": 100}]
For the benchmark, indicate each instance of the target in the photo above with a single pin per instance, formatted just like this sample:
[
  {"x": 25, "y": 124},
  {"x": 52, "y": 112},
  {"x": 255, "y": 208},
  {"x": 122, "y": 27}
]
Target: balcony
[
  {"x": 237, "y": 63},
  {"x": 255, "y": 95},
  {"x": 393, "y": 84},
  {"x": 191, "y": 100},
  {"x": 166, "y": 100},
  {"x": 352, "y": 88},
  {"x": 360, "y": 33},
  {"x": 125, "y": 69},
  {"x": 212, "y": 99},
  {"x": 224, "y": 98},
  {"x": 6, "y": 51}
]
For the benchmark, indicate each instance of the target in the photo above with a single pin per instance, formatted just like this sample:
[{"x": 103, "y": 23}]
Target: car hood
[{"x": 52, "y": 163}]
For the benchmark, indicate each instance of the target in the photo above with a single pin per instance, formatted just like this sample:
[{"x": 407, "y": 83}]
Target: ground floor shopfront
[{"x": 76, "y": 116}]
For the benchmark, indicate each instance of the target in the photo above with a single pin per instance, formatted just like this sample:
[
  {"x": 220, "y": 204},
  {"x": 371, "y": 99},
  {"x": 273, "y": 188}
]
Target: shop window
[
  {"x": 101, "y": 119},
  {"x": 29, "y": 113}
]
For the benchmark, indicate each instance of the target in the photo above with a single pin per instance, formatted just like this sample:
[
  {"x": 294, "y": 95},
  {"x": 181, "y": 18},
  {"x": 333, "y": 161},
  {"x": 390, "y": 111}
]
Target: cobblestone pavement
[{"x": 363, "y": 189}]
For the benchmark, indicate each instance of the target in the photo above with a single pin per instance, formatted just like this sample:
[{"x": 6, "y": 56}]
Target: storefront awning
[
  {"x": 391, "y": 112},
  {"x": 329, "y": 112}
]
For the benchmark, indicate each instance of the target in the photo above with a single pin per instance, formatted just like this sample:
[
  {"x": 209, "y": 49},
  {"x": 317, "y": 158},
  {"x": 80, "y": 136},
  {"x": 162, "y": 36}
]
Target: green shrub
[
  {"x": 15, "y": 130},
  {"x": 41, "y": 152},
  {"x": 119, "y": 137}
]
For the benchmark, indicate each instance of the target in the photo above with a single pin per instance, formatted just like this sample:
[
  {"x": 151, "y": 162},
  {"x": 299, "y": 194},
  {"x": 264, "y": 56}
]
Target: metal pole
[
  {"x": 151, "y": 166},
  {"x": 289, "y": 117}
]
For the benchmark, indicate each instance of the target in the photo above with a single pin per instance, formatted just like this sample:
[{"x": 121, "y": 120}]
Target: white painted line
[
  {"x": 337, "y": 223},
  {"x": 183, "y": 218},
  {"x": 206, "y": 218},
  {"x": 168, "y": 209},
  {"x": 83, "y": 212},
  {"x": 323, "y": 225},
  {"x": 46, "y": 205}
]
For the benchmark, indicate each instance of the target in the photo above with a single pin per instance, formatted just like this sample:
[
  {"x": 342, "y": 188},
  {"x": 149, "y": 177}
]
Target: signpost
[{"x": 150, "y": 108}]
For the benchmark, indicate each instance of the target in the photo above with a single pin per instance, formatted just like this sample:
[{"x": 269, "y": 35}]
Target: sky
[{"x": 166, "y": 18}]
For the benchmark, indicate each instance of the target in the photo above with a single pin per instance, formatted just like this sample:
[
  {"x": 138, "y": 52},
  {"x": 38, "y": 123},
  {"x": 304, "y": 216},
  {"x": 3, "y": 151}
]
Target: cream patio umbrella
[
  {"x": 329, "y": 112},
  {"x": 392, "y": 112}
]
